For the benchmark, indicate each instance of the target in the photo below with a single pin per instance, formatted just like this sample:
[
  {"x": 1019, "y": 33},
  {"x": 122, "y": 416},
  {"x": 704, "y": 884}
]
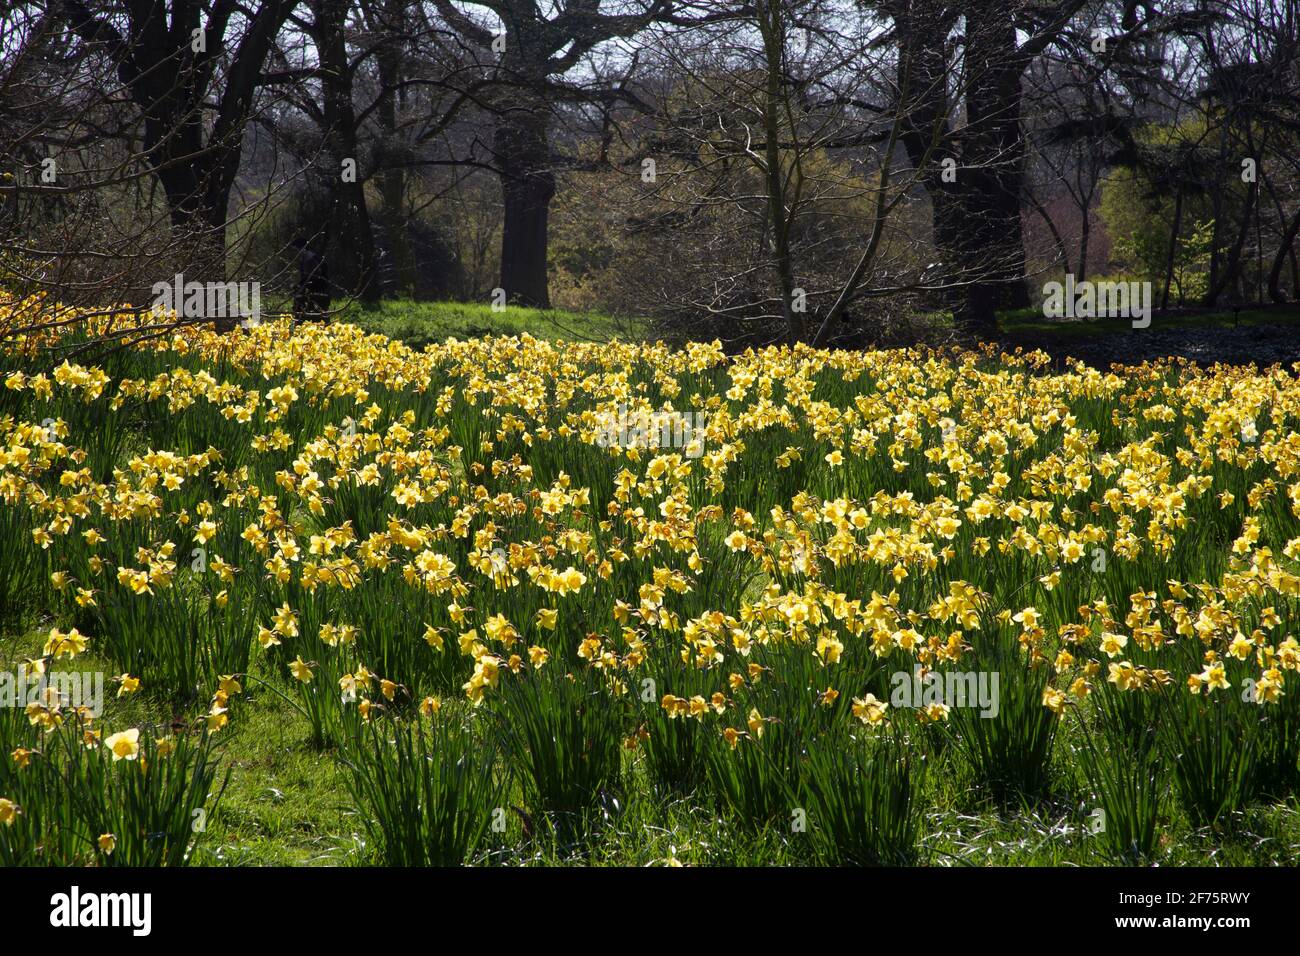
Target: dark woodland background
[{"x": 825, "y": 171}]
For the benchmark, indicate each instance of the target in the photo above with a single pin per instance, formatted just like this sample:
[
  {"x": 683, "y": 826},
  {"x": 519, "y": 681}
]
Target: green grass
[
  {"x": 1030, "y": 322},
  {"x": 418, "y": 324}
]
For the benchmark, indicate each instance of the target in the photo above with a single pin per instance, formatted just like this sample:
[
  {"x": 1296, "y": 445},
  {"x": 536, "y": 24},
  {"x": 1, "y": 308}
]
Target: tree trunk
[
  {"x": 1173, "y": 247},
  {"x": 779, "y": 209},
  {"x": 994, "y": 260},
  {"x": 355, "y": 251},
  {"x": 1234, "y": 254},
  {"x": 527, "y": 187},
  {"x": 198, "y": 221},
  {"x": 1085, "y": 231},
  {"x": 392, "y": 191},
  {"x": 926, "y": 134},
  {"x": 1279, "y": 260},
  {"x": 392, "y": 180}
]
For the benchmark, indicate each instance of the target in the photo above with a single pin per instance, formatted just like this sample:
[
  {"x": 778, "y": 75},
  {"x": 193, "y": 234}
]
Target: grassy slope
[{"x": 420, "y": 323}]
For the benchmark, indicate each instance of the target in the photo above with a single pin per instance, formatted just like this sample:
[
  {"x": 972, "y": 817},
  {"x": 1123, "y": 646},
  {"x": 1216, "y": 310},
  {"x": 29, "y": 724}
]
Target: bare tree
[{"x": 535, "y": 50}]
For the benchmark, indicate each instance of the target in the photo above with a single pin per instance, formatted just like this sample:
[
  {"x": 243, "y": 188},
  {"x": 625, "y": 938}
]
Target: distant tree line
[{"x": 797, "y": 170}]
